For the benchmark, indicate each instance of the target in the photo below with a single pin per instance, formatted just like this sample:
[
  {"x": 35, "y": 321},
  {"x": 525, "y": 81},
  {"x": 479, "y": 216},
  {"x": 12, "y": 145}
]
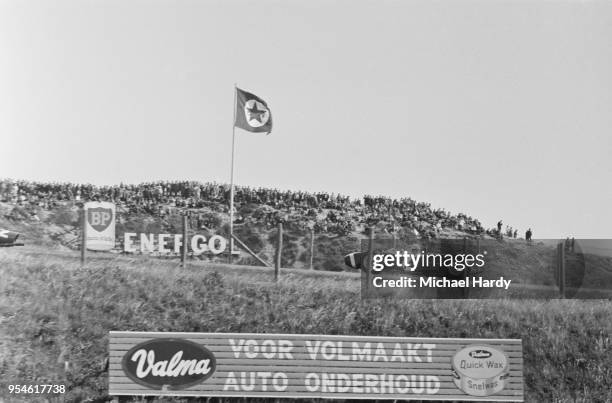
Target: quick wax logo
[
  {"x": 480, "y": 354},
  {"x": 480, "y": 370},
  {"x": 168, "y": 364}
]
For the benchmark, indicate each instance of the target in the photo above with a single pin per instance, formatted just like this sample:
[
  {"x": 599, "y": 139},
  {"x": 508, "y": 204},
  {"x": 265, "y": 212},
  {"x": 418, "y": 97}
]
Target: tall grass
[{"x": 55, "y": 317}]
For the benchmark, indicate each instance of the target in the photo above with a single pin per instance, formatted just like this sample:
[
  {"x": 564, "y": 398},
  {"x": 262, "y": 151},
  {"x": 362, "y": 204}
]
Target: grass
[{"x": 55, "y": 317}]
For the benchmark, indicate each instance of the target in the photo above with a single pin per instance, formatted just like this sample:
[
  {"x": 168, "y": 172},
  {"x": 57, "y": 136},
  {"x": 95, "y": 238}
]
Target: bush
[{"x": 65, "y": 216}]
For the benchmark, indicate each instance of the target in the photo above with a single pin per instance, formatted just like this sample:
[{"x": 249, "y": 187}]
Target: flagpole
[{"x": 231, "y": 240}]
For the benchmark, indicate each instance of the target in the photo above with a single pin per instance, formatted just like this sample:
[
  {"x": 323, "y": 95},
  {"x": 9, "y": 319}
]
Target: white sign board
[
  {"x": 100, "y": 225},
  {"x": 303, "y": 366}
]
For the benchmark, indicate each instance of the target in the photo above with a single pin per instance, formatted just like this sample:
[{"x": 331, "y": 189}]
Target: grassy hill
[
  {"x": 58, "y": 228},
  {"x": 55, "y": 317}
]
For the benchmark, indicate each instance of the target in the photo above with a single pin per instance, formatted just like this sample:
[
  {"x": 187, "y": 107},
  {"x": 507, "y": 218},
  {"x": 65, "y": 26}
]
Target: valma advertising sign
[{"x": 315, "y": 366}]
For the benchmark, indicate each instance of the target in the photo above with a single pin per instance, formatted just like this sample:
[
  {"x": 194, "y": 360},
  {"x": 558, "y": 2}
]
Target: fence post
[
  {"x": 368, "y": 268},
  {"x": 184, "y": 243},
  {"x": 558, "y": 268},
  {"x": 466, "y": 289},
  {"x": 312, "y": 248},
  {"x": 562, "y": 270},
  {"x": 83, "y": 233},
  {"x": 279, "y": 252}
]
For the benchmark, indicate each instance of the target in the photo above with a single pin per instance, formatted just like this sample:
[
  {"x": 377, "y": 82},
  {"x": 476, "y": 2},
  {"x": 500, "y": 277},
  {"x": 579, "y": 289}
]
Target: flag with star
[{"x": 252, "y": 113}]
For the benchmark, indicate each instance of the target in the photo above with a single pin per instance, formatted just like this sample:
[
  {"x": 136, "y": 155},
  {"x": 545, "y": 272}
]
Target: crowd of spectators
[{"x": 322, "y": 212}]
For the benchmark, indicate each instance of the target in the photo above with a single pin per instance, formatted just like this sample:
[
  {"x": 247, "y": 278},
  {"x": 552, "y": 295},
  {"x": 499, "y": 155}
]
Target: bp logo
[
  {"x": 99, "y": 218},
  {"x": 256, "y": 113},
  {"x": 480, "y": 370},
  {"x": 168, "y": 364}
]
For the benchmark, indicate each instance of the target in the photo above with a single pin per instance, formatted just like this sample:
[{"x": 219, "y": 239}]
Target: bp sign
[{"x": 100, "y": 225}]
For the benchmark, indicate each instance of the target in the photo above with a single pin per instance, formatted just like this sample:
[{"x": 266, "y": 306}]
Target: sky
[{"x": 498, "y": 109}]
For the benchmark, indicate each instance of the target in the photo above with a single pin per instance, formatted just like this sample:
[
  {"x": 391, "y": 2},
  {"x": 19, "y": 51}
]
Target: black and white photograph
[{"x": 305, "y": 201}]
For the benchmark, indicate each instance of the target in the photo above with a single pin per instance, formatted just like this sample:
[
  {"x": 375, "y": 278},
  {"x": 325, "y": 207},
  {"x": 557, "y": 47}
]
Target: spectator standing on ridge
[{"x": 528, "y": 234}]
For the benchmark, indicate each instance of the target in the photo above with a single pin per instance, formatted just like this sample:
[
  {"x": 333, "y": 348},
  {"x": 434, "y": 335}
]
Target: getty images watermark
[
  {"x": 482, "y": 268},
  {"x": 454, "y": 264}
]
